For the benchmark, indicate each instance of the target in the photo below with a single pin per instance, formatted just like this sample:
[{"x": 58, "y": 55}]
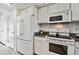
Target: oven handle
[{"x": 71, "y": 44}]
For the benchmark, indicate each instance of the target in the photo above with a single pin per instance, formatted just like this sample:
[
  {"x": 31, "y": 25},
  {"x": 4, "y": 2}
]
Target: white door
[
  {"x": 11, "y": 32},
  {"x": 3, "y": 28}
]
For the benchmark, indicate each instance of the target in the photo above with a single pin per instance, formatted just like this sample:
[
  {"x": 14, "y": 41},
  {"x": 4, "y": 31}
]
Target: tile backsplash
[
  {"x": 73, "y": 27},
  {"x": 44, "y": 27}
]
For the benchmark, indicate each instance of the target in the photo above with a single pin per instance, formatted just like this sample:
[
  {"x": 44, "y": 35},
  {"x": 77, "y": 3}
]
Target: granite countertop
[
  {"x": 40, "y": 35},
  {"x": 60, "y": 36},
  {"x": 64, "y": 37},
  {"x": 72, "y": 35}
]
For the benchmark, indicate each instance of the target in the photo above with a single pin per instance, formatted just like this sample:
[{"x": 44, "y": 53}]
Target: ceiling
[
  {"x": 12, "y": 6},
  {"x": 26, "y": 5}
]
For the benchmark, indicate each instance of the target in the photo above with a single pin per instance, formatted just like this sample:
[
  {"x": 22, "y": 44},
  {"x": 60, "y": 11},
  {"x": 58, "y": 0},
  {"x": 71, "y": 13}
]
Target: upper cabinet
[
  {"x": 63, "y": 6},
  {"x": 75, "y": 11},
  {"x": 52, "y": 8},
  {"x": 58, "y": 7},
  {"x": 42, "y": 15}
]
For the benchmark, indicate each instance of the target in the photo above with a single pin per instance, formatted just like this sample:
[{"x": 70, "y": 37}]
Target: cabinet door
[
  {"x": 62, "y": 6},
  {"x": 75, "y": 11},
  {"x": 52, "y": 8},
  {"x": 38, "y": 47},
  {"x": 77, "y": 51},
  {"x": 19, "y": 45},
  {"x": 26, "y": 48},
  {"x": 76, "y": 48},
  {"x": 70, "y": 50},
  {"x": 42, "y": 15},
  {"x": 41, "y": 45},
  {"x": 45, "y": 47}
]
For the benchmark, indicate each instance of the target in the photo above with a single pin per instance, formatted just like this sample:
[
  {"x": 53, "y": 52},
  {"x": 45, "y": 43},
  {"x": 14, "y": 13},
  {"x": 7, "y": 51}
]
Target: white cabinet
[
  {"x": 77, "y": 51},
  {"x": 58, "y": 7},
  {"x": 37, "y": 47},
  {"x": 41, "y": 45},
  {"x": 45, "y": 12},
  {"x": 63, "y": 6},
  {"x": 75, "y": 11},
  {"x": 42, "y": 15},
  {"x": 52, "y": 8},
  {"x": 45, "y": 46},
  {"x": 24, "y": 47},
  {"x": 76, "y": 48},
  {"x": 70, "y": 49}
]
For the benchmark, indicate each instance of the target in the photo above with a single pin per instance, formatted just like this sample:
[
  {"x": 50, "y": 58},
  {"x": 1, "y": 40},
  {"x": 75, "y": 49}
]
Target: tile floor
[{"x": 7, "y": 51}]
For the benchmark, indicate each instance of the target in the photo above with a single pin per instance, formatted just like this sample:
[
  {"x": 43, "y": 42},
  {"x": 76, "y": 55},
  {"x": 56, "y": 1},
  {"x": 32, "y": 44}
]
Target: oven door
[
  {"x": 58, "y": 49},
  {"x": 60, "y": 17}
]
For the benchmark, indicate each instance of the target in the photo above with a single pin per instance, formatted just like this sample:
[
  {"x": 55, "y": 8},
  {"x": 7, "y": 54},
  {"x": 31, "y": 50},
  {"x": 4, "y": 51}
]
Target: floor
[{"x": 7, "y": 51}]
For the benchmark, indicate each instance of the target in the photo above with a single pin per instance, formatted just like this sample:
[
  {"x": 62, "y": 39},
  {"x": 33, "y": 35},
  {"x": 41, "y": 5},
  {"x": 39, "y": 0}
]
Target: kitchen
[{"x": 41, "y": 28}]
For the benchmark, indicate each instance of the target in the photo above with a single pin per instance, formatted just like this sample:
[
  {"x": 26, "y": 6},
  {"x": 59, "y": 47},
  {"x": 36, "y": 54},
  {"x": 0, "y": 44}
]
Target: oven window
[
  {"x": 56, "y": 18},
  {"x": 56, "y": 48}
]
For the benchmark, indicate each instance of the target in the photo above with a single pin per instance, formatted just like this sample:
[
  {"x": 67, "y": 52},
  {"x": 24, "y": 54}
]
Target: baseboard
[
  {"x": 35, "y": 54},
  {"x": 20, "y": 53},
  {"x": 2, "y": 43}
]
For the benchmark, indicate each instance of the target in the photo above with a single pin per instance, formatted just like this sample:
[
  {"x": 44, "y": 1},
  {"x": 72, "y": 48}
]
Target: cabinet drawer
[{"x": 77, "y": 44}]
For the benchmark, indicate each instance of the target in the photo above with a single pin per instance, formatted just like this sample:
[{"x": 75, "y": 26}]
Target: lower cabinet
[
  {"x": 77, "y": 48},
  {"x": 77, "y": 51},
  {"x": 41, "y": 46},
  {"x": 38, "y": 48},
  {"x": 24, "y": 47},
  {"x": 19, "y": 49}
]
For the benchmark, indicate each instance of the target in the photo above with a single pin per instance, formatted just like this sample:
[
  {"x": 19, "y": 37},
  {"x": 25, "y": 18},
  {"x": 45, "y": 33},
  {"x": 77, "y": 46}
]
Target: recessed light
[{"x": 9, "y": 4}]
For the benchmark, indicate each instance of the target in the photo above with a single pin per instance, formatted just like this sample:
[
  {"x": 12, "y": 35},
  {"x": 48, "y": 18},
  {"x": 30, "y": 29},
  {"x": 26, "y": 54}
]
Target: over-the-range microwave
[{"x": 64, "y": 16}]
